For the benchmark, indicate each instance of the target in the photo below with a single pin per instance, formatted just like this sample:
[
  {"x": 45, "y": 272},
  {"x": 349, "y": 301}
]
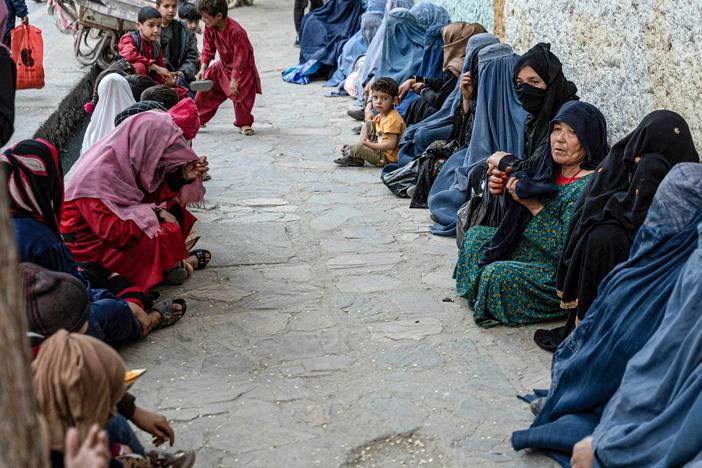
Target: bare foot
[{"x": 582, "y": 454}]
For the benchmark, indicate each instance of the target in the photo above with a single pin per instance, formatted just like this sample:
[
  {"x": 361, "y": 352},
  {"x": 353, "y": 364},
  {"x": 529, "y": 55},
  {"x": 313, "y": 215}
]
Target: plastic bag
[
  {"x": 483, "y": 209},
  {"x": 28, "y": 53},
  {"x": 399, "y": 180},
  {"x": 300, "y": 74}
]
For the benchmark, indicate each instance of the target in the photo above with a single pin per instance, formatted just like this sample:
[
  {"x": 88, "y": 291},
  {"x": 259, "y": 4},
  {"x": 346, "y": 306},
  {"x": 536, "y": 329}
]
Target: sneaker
[
  {"x": 348, "y": 161},
  {"x": 411, "y": 190},
  {"x": 357, "y": 114}
]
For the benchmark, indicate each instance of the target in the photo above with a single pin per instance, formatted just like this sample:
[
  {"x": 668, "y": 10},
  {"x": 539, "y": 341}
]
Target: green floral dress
[{"x": 522, "y": 290}]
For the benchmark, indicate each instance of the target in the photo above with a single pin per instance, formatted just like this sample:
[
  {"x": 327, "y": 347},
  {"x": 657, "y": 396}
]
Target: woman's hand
[
  {"x": 531, "y": 204},
  {"x": 466, "y": 85},
  {"x": 93, "y": 453},
  {"x": 417, "y": 87},
  {"x": 497, "y": 179},
  {"x": 405, "y": 87},
  {"x": 495, "y": 158},
  {"x": 195, "y": 169},
  {"x": 582, "y": 454},
  {"x": 155, "y": 424}
]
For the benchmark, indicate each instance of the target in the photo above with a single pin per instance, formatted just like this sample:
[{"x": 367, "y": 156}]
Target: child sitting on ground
[
  {"x": 142, "y": 48},
  {"x": 380, "y": 135},
  {"x": 189, "y": 14},
  {"x": 178, "y": 44},
  {"x": 235, "y": 76}
]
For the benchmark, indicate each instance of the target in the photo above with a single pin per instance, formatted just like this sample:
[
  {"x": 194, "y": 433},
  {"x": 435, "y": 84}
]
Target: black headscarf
[
  {"x": 137, "y": 108},
  {"x": 34, "y": 181},
  {"x": 535, "y": 170},
  {"x": 621, "y": 191}
]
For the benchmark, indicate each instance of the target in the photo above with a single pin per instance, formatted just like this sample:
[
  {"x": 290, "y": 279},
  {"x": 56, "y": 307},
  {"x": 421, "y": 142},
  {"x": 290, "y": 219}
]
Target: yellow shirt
[{"x": 384, "y": 126}]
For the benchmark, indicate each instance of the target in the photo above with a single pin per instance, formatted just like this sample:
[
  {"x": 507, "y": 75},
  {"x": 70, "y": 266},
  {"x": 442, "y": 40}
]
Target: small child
[
  {"x": 235, "y": 75},
  {"x": 189, "y": 14},
  {"x": 380, "y": 135},
  {"x": 178, "y": 44},
  {"x": 142, "y": 48}
]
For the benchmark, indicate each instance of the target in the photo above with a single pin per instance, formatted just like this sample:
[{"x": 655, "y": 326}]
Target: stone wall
[{"x": 628, "y": 57}]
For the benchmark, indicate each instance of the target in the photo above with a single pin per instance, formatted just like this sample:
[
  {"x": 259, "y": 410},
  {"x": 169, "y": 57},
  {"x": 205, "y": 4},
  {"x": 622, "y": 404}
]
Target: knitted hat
[{"x": 54, "y": 300}]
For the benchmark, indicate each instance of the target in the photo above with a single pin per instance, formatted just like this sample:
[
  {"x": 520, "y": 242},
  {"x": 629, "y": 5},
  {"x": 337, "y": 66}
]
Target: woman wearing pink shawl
[
  {"x": 125, "y": 204},
  {"x": 8, "y": 78}
]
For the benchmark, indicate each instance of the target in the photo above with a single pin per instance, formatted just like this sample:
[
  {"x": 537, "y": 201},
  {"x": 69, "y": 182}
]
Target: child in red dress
[{"x": 235, "y": 75}]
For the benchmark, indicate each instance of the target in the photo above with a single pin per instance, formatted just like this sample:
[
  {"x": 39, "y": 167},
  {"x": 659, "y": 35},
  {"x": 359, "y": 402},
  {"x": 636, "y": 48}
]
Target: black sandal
[
  {"x": 165, "y": 309},
  {"x": 202, "y": 257}
]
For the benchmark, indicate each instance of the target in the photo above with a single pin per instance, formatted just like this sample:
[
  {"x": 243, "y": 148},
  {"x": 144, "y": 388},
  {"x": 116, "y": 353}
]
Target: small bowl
[{"x": 201, "y": 86}]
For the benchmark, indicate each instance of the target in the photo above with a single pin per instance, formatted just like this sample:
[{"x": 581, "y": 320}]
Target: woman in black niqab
[
  {"x": 611, "y": 210},
  {"x": 535, "y": 169}
]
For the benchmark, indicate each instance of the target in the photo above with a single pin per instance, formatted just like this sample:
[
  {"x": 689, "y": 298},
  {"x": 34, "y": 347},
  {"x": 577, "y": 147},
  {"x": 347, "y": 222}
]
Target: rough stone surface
[
  {"x": 323, "y": 339},
  {"x": 628, "y": 57}
]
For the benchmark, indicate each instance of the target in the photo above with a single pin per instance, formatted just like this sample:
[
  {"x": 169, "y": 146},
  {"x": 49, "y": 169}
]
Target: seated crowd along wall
[{"x": 628, "y": 57}]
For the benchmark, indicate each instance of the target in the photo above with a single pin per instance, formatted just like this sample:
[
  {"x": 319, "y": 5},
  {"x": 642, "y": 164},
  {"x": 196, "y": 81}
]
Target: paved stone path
[{"x": 319, "y": 335}]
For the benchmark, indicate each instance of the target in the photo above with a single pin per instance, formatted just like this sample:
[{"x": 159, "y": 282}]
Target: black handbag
[
  {"x": 399, "y": 180},
  {"x": 482, "y": 209}
]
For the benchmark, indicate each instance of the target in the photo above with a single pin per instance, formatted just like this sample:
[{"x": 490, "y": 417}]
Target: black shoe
[
  {"x": 348, "y": 161},
  {"x": 297, "y": 43},
  {"x": 357, "y": 130},
  {"x": 357, "y": 114}
]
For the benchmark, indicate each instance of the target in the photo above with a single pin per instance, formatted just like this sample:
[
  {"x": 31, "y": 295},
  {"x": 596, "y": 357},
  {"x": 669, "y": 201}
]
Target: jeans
[{"x": 120, "y": 432}]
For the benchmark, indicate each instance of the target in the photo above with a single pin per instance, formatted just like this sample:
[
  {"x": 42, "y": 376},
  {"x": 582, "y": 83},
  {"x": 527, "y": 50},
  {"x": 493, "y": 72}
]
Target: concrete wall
[{"x": 628, "y": 57}]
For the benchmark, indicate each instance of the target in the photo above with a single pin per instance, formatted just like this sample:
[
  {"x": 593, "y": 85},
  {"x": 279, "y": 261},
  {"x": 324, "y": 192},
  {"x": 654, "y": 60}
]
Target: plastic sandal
[
  {"x": 165, "y": 309},
  {"x": 202, "y": 257}
]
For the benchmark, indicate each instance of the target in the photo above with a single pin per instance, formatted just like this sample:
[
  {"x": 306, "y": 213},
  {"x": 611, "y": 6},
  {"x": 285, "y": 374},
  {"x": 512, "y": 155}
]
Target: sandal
[
  {"x": 179, "y": 459},
  {"x": 165, "y": 309},
  {"x": 176, "y": 276},
  {"x": 247, "y": 131},
  {"x": 203, "y": 257}
]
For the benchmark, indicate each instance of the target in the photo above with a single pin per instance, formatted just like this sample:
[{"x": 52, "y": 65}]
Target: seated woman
[
  {"x": 325, "y": 30},
  {"x": 419, "y": 136},
  {"x": 79, "y": 382},
  {"x": 498, "y": 122},
  {"x": 638, "y": 303},
  {"x": 424, "y": 94},
  {"x": 35, "y": 192},
  {"x": 114, "y": 95},
  {"x": 611, "y": 211},
  {"x": 522, "y": 290},
  {"x": 125, "y": 205}
]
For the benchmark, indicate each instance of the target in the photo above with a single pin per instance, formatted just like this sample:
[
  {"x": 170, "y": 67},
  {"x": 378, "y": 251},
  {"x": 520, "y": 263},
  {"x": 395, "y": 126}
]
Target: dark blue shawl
[{"x": 325, "y": 30}]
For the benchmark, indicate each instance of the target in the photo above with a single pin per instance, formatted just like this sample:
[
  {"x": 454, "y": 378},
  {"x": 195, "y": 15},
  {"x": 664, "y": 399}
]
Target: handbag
[
  {"x": 482, "y": 209},
  {"x": 399, "y": 180},
  {"x": 28, "y": 53}
]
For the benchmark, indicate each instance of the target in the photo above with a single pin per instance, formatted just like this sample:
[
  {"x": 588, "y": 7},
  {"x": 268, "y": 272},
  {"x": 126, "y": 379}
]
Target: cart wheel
[
  {"x": 84, "y": 51},
  {"x": 106, "y": 55}
]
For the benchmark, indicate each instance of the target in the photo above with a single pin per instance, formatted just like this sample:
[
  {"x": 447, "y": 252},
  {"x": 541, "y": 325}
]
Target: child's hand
[
  {"x": 367, "y": 143},
  {"x": 201, "y": 74},
  {"x": 234, "y": 87}
]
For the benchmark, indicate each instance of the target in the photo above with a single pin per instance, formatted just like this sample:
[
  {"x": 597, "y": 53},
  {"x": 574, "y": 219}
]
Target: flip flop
[
  {"x": 201, "y": 255},
  {"x": 202, "y": 86},
  {"x": 165, "y": 309},
  {"x": 248, "y": 132}
]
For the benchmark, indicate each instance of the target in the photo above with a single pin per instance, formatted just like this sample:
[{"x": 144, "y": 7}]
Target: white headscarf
[{"x": 114, "y": 95}]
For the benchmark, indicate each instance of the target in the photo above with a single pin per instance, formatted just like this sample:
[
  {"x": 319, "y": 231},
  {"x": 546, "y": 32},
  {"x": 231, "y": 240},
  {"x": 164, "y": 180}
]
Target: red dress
[
  {"x": 95, "y": 234},
  {"x": 236, "y": 60},
  {"x": 141, "y": 55}
]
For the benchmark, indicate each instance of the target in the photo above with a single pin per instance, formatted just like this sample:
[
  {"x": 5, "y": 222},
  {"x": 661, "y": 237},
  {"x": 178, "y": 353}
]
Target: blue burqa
[
  {"x": 654, "y": 417},
  {"x": 632, "y": 301},
  {"x": 403, "y": 46},
  {"x": 375, "y": 48},
  {"x": 325, "y": 30},
  {"x": 355, "y": 47},
  {"x": 429, "y": 15},
  {"x": 438, "y": 126},
  {"x": 431, "y": 65},
  {"x": 498, "y": 125}
]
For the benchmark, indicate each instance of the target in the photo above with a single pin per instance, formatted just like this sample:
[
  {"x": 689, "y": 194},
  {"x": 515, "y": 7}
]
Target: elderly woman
[
  {"x": 522, "y": 290},
  {"x": 125, "y": 204},
  {"x": 612, "y": 210}
]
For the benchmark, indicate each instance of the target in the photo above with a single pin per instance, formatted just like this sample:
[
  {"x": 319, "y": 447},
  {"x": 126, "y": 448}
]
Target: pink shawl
[{"x": 130, "y": 162}]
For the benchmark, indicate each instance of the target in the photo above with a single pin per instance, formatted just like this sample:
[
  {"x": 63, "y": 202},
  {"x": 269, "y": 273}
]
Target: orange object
[{"x": 28, "y": 54}]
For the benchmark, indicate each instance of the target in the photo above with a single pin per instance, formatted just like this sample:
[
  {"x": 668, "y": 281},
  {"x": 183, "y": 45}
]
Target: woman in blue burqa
[
  {"x": 419, "y": 136},
  {"x": 358, "y": 44},
  {"x": 633, "y": 299},
  {"x": 444, "y": 53},
  {"x": 325, "y": 30},
  {"x": 499, "y": 123}
]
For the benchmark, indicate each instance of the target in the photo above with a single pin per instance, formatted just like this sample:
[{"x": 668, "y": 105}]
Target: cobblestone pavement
[{"x": 319, "y": 335}]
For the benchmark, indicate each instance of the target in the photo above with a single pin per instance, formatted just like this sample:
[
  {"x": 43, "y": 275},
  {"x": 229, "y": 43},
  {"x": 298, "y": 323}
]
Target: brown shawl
[
  {"x": 78, "y": 381},
  {"x": 456, "y": 37}
]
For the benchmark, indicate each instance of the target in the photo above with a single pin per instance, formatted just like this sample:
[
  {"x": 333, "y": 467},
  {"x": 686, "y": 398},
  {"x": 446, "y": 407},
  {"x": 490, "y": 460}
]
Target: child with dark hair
[
  {"x": 139, "y": 84},
  {"x": 188, "y": 13},
  {"x": 161, "y": 94},
  {"x": 380, "y": 135},
  {"x": 235, "y": 75},
  {"x": 142, "y": 48},
  {"x": 178, "y": 44}
]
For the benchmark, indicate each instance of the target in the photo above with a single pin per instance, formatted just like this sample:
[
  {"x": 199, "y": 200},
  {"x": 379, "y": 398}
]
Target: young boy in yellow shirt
[{"x": 380, "y": 135}]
